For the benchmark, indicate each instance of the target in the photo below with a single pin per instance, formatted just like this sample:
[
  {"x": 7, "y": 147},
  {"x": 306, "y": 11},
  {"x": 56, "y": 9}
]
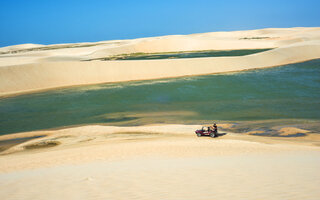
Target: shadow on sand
[
  {"x": 221, "y": 134},
  {"x": 218, "y": 135}
]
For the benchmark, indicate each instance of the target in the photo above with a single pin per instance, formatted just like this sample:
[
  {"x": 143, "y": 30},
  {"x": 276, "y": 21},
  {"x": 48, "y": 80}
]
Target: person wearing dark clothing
[{"x": 215, "y": 128}]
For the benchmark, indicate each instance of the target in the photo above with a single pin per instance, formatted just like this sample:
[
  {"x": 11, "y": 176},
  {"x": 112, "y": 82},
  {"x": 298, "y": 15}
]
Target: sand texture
[
  {"x": 30, "y": 67},
  {"x": 158, "y": 162},
  {"x": 166, "y": 161}
]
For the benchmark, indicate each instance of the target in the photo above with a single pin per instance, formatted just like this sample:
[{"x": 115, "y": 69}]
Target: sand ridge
[
  {"x": 25, "y": 69},
  {"x": 111, "y": 142},
  {"x": 161, "y": 161},
  {"x": 158, "y": 162}
]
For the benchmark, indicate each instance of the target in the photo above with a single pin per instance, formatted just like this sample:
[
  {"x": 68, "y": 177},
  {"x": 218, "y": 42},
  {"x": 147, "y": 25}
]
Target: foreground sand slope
[
  {"x": 106, "y": 142},
  {"x": 25, "y": 69},
  {"x": 158, "y": 162}
]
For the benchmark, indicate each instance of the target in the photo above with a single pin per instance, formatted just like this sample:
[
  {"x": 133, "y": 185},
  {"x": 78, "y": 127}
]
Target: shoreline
[
  {"x": 176, "y": 130},
  {"x": 35, "y": 91},
  {"x": 48, "y": 69}
]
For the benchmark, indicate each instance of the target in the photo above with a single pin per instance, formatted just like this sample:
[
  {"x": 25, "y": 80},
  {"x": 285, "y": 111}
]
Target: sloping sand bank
[
  {"x": 39, "y": 68},
  {"x": 158, "y": 162}
]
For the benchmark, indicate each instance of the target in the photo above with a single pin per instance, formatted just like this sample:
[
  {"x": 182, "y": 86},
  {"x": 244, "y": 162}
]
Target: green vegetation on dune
[
  {"x": 254, "y": 38},
  {"x": 50, "y": 47},
  {"x": 182, "y": 54}
]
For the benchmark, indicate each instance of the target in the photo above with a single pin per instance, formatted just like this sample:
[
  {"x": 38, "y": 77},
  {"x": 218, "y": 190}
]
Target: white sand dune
[
  {"x": 26, "y": 68},
  {"x": 19, "y": 47},
  {"x": 293, "y": 176},
  {"x": 158, "y": 162}
]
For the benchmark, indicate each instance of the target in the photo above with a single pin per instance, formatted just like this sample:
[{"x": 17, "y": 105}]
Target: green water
[
  {"x": 288, "y": 93},
  {"x": 193, "y": 54}
]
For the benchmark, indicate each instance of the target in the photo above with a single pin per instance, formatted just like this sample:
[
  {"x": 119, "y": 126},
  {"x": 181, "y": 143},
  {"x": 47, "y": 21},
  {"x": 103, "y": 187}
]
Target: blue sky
[{"x": 67, "y": 21}]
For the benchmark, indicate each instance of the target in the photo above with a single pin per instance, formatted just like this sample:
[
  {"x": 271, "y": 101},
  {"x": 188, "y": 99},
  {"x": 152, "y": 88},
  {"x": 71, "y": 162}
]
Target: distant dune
[
  {"x": 31, "y": 67},
  {"x": 155, "y": 161}
]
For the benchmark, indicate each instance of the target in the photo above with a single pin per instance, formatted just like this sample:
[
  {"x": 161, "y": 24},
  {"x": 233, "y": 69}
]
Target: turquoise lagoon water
[{"x": 288, "y": 94}]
